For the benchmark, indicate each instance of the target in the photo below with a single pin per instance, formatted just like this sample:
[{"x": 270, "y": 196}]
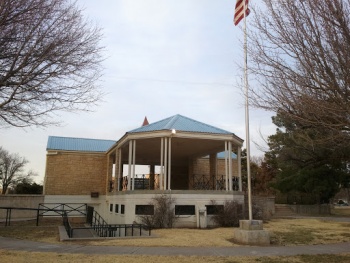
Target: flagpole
[{"x": 247, "y": 114}]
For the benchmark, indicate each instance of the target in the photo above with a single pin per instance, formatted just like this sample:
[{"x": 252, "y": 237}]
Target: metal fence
[
  {"x": 96, "y": 221},
  {"x": 57, "y": 209},
  {"x": 48, "y": 210}
]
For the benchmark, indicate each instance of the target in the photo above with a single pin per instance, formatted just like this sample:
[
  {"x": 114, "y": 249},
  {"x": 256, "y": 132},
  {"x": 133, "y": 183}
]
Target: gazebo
[{"x": 182, "y": 157}]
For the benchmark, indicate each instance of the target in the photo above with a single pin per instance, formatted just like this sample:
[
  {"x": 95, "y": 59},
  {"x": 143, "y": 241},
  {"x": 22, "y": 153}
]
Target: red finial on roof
[{"x": 145, "y": 122}]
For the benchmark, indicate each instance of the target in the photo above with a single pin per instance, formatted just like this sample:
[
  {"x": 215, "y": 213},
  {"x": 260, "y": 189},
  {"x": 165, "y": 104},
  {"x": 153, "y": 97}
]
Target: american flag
[{"x": 239, "y": 11}]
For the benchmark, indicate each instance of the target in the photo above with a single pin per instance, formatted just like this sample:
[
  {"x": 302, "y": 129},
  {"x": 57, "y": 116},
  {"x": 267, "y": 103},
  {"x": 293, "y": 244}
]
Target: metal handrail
[
  {"x": 67, "y": 224},
  {"x": 116, "y": 230},
  {"x": 9, "y": 213},
  {"x": 103, "y": 229},
  {"x": 44, "y": 210}
]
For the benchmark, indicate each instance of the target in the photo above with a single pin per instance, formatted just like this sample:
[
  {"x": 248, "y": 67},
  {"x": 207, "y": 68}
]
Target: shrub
[
  {"x": 163, "y": 216},
  {"x": 229, "y": 214}
]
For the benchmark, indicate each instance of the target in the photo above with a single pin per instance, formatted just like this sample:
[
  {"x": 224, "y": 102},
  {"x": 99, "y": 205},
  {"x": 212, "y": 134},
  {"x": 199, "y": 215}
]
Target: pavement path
[{"x": 32, "y": 246}]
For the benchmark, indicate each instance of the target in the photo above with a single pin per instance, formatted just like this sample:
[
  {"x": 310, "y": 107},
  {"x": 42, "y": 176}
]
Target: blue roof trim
[
  {"x": 180, "y": 123},
  {"x": 78, "y": 144}
]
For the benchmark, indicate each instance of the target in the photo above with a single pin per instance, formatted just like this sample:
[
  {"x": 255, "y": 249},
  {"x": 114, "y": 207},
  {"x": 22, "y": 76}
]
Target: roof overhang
[{"x": 184, "y": 145}]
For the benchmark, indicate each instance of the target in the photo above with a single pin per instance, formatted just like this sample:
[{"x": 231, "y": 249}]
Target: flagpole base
[{"x": 250, "y": 232}]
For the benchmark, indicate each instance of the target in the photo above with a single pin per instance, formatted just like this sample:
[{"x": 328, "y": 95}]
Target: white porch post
[
  {"x": 165, "y": 162},
  {"x": 161, "y": 164},
  {"x": 118, "y": 153},
  {"x": 133, "y": 163},
  {"x": 226, "y": 170},
  {"x": 230, "y": 165},
  {"x": 129, "y": 164},
  {"x": 239, "y": 168},
  {"x": 169, "y": 165}
]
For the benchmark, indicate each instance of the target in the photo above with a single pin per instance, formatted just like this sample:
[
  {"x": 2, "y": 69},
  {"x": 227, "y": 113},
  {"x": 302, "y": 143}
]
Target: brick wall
[
  {"x": 202, "y": 166},
  {"x": 75, "y": 173}
]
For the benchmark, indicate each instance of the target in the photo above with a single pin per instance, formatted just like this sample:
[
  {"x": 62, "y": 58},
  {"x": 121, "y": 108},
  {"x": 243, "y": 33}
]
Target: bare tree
[
  {"x": 300, "y": 56},
  {"x": 49, "y": 61},
  {"x": 11, "y": 169}
]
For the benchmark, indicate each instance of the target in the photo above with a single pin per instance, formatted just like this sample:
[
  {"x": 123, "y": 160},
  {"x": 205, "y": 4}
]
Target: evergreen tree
[{"x": 305, "y": 161}]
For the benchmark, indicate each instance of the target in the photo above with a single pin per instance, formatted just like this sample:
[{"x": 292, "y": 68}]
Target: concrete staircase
[{"x": 284, "y": 211}]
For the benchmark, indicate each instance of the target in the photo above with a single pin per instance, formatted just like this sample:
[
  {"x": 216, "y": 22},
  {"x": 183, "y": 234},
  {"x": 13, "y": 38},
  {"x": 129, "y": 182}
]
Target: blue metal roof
[
  {"x": 78, "y": 144},
  {"x": 180, "y": 123},
  {"x": 221, "y": 155}
]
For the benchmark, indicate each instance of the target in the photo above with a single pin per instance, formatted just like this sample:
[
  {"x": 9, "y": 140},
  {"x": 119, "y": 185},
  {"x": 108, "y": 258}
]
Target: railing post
[
  {"x": 37, "y": 217},
  {"x": 8, "y": 217}
]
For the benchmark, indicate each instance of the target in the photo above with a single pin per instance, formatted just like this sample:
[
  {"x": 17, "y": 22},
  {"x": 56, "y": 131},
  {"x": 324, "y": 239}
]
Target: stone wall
[
  {"x": 266, "y": 204},
  {"x": 323, "y": 209},
  {"x": 75, "y": 173},
  {"x": 22, "y": 201}
]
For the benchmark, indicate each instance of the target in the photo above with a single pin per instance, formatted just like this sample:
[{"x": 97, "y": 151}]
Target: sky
[{"x": 162, "y": 58}]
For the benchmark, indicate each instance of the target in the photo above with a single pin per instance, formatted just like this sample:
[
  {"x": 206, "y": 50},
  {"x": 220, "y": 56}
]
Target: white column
[
  {"x": 129, "y": 164},
  {"x": 161, "y": 164},
  {"x": 133, "y": 163},
  {"x": 230, "y": 165},
  {"x": 239, "y": 168},
  {"x": 118, "y": 153},
  {"x": 226, "y": 170},
  {"x": 165, "y": 162},
  {"x": 169, "y": 165}
]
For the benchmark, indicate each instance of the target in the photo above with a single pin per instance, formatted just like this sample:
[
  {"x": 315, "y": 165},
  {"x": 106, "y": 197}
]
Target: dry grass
[
  {"x": 219, "y": 237},
  {"x": 283, "y": 232},
  {"x": 341, "y": 211},
  {"x": 307, "y": 231},
  {"x": 35, "y": 257}
]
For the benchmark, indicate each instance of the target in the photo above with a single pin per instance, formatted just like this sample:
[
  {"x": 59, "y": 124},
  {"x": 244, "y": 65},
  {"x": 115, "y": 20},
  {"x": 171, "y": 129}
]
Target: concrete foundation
[{"x": 251, "y": 232}]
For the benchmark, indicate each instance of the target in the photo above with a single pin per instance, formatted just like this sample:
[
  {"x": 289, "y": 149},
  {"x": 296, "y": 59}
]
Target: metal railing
[
  {"x": 142, "y": 182},
  {"x": 67, "y": 224},
  {"x": 57, "y": 209},
  {"x": 103, "y": 229},
  {"x": 98, "y": 224},
  {"x": 207, "y": 182},
  {"x": 47, "y": 210},
  {"x": 9, "y": 213},
  {"x": 123, "y": 230}
]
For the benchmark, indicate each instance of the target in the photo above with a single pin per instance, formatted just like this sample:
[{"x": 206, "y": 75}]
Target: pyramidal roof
[{"x": 180, "y": 123}]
